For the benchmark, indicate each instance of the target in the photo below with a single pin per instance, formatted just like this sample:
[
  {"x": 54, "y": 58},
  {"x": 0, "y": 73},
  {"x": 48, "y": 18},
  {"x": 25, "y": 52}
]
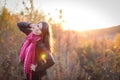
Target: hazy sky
[{"x": 85, "y": 14}]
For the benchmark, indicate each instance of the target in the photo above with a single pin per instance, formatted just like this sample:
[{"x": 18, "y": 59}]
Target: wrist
[{"x": 30, "y": 25}]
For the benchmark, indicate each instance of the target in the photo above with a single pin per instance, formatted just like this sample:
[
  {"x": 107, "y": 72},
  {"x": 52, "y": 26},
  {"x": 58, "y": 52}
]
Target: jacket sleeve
[
  {"x": 49, "y": 59},
  {"x": 24, "y": 27}
]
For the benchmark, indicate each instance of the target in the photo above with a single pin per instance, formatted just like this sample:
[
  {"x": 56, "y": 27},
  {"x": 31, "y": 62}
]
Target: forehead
[{"x": 40, "y": 23}]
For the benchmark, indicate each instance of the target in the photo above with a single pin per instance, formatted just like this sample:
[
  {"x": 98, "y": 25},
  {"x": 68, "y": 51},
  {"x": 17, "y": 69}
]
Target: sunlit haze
[
  {"x": 83, "y": 14},
  {"x": 80, "y": 19}
]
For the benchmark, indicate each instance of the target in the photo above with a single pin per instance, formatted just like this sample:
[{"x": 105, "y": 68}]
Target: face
[{"x": 37, "y": 29}]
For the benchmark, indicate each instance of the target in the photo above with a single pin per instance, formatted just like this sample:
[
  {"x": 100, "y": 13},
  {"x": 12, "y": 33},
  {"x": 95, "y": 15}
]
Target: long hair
[{"x": 47, "y": 35}]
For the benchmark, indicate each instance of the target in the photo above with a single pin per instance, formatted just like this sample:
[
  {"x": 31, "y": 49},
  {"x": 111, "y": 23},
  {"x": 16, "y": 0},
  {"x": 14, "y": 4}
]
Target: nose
[{"x": 36, "y": 27}]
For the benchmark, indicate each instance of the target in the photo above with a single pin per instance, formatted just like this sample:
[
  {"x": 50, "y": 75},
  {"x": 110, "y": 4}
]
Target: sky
[{"x": 78, "y": 14}]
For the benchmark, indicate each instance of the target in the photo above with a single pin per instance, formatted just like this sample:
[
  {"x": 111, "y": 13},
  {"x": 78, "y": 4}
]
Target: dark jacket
[{"x": 40, "y": 47}]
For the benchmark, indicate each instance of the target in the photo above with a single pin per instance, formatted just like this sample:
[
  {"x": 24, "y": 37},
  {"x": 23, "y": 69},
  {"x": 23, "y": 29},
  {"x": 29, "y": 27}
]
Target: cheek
[
  {"x": 39, "y": 32},
  {"x": 34, "y": 30}
]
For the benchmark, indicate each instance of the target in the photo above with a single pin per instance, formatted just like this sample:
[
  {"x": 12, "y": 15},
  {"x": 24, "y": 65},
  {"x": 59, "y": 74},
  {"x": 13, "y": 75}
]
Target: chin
[{"x": 37, "y": 34}]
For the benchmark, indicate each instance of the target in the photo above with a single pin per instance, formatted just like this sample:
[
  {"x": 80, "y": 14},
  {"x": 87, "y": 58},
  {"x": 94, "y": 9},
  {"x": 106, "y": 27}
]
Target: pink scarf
[{"x": 27, "y": 53}]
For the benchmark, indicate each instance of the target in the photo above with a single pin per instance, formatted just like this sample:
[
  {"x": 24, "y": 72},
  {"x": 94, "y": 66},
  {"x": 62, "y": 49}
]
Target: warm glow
[
  {"x": 81, "y": 21},
  {"x": 43, "y": 56},
  {"x": 80, "y": 18},
  {"x": 78, "y": 15}
]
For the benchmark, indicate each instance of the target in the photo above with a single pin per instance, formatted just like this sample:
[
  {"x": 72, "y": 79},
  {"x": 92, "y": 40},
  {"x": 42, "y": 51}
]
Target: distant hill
[{"x": 109, "y": 32}]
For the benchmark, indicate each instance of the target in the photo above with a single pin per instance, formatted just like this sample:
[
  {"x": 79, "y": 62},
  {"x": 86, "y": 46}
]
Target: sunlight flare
[{"x": 80, "y": 18}]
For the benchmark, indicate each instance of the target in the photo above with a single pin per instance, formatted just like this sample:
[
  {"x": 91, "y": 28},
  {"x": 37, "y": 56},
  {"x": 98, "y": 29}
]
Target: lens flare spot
[{"x": 43, "y": 56}]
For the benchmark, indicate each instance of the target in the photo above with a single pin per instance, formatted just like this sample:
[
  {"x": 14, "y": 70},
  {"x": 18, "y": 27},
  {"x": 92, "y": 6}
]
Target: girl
[{"x": 35, "y": 53}]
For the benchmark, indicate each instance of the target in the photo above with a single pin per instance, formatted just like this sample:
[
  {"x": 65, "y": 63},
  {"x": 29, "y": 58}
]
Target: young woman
[{"x": 36, "y": 52}]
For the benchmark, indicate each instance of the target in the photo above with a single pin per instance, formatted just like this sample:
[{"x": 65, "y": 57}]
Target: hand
[
  {"x": 33, "y": 67},
  {"x": 33, "y": 25}
]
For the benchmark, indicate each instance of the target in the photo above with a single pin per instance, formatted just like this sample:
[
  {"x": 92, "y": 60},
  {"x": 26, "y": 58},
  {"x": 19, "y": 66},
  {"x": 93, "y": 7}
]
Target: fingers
[{"x": 33, "y": 67}]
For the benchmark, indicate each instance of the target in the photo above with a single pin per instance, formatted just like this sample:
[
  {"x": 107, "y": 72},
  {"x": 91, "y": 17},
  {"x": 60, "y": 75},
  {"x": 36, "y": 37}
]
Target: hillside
[{"x": 109, "y": 32}]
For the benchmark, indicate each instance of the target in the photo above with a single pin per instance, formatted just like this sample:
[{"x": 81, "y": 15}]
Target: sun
[
  {"x": 84, "y": 19},
  {"x": 80, "y": 18}
]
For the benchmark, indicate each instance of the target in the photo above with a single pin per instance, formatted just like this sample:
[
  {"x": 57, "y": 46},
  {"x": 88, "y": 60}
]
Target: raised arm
[{"x": 24, "y": 27}]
